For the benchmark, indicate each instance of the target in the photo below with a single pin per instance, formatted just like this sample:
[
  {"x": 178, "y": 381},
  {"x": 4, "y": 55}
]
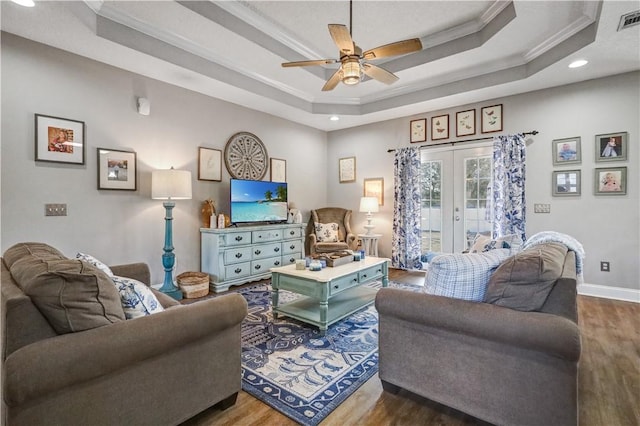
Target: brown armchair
[{"x": 346, "y": 239}]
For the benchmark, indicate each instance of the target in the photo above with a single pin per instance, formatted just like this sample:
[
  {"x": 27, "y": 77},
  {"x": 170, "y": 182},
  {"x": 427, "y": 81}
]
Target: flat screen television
[{"x": 254, "y": 201}]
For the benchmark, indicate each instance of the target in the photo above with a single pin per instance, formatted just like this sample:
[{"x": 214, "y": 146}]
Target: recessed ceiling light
[
  {"x": 26, "y": 3},
  {"x": 578, "y": 63},
  {"x": 334, "y": 118}
]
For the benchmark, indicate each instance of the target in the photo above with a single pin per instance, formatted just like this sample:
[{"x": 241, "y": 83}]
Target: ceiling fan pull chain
[{"x": 351, "y": 18}]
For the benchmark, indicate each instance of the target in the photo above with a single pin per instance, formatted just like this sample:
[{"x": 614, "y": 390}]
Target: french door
[{"x": 456, "y": 193}]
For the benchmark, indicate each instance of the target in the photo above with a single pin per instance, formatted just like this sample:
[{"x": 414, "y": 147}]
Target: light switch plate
[
  {"x": 542, "y": 208},
  {"x": 55, "y": 209}
]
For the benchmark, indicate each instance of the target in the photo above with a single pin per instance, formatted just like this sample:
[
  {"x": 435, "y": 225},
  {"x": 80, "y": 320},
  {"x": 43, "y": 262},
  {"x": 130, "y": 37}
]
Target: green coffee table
[{"x": 330, "y": 294}]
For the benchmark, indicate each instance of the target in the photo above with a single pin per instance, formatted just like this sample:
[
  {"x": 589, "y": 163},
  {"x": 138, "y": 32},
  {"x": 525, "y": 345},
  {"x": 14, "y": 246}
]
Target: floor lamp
[
  {"x": 369, "y": 205},
  {"x": 170, "y": 185}
]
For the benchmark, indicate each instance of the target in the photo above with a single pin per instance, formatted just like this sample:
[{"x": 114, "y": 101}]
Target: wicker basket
[{"x": 193, "y": 284}]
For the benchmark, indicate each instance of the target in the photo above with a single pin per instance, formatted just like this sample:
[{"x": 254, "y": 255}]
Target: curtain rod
[{"x": 533, "y": 132}]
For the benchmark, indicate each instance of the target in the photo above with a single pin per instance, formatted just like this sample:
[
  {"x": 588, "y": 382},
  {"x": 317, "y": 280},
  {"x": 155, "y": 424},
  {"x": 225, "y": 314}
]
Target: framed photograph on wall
[
  {"x": 418, "y": 129},
  {"x": 566, "y": 151},
  {"x": 466, "y": 123},
  {"x": 610, "y": 181},
  {"x": 347, "y": 169},
  {"x": 491, "y": 120},
  {"x": 209, "y": 164},
  {"x": 566, "y": 183},
  {"x": 117, "y": 169},
  {"x": 440, "y": 127},
  {"x": 59, "y": 140},
  {"x": 278, "y": 169},
  {"x": 611, "y": 147},
  {"x": 374, "y": 187}
]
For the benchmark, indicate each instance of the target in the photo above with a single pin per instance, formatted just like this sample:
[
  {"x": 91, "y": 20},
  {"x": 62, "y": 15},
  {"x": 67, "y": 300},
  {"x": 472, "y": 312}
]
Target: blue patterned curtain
[
  {"x": 405, "y": 249},
  {"x": 509, "y": 207}
]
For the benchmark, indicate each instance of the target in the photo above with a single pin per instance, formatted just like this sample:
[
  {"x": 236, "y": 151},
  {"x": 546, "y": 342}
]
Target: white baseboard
[{"x": 617, "y": 293}]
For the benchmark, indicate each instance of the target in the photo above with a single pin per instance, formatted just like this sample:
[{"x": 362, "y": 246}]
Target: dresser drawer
[
  {"x": 263, "y": 265},
  {"x": 292, "y": 246},
  {"x": 343, "y": 283},
  {"x": 370, "y": 273},
  {"x": 237, "y": 271},
  {"x": 237, "y": 255},
  {"x": 266, "y": 250},
  {"x": 290, "y": 258},
  {"x": 237, "y": 238},
  {"x": 292, "y": 233},
  {"x": 267, "y": 235}
]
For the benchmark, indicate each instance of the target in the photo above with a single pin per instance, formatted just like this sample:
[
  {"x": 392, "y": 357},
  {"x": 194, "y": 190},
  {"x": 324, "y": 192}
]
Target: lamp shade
[
  {"x": 171, "y": 184},
  {"x": 369, "y": 204}
]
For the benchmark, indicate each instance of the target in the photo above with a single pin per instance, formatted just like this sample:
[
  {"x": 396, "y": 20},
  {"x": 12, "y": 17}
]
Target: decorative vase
[{"x": 207, "y": 211}]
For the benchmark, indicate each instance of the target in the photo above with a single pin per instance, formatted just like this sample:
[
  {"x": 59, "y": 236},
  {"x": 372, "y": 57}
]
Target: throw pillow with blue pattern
[
  {"x": 137, "y": 299},
  {"x": 483, "y": 243},
  {"x": 95, "y": 262},
  {"x": 326, "y": 232},
  {"x": 463, "y": 275}
]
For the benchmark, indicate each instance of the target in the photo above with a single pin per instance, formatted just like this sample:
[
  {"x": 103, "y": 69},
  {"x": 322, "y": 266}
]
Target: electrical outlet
[
  {"x": 542, "y": 208},
  {"x": 604, "y": 266},
  {"x": 55, "y": 209}
]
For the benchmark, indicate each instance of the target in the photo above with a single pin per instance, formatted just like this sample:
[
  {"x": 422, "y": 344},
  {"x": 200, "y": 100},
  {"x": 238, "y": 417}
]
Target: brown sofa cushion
[
  {"x": 71, "y": 294},
  {"x": 524, "y": 281}
]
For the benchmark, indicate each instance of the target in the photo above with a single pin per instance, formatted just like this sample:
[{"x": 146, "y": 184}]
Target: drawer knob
[
  {"x": 276, "y": 249},
  {"x": 364, "y": 276},
  {"x": 238, "y": 255},
  {"x": 292, "y": 260},
  {"x": 292, "y": 232},
  {"x": 238, "y": 270},
  {"x": 277, "y": 262},
  {"x": 292, "y": 246},
  {"x": 257, "y": 252},
  {"x": 257, "y": 267},
  {"x": 336, "y": 286},
  {"x": 239, "y": 238},
  {"x": 354, "y": 280}
]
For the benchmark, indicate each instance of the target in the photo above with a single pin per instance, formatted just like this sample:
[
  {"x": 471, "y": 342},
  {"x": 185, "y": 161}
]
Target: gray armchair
[{"x": 346, "y": 239}]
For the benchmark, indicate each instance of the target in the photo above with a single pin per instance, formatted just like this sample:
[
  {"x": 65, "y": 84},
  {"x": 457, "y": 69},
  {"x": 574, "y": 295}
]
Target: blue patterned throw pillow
[
  {"x": 95, "y": 262},
  {"x": 327, "y": 232},
  {"x": 137, "y": 299},
  {"x": 463, "y": 276}
]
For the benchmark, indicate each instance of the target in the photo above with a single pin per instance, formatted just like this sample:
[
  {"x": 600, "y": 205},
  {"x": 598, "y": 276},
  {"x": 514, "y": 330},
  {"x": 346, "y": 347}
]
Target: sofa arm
[
  {"x": 137, "y": 271},
  {"x": 53, "y": 364},
  {"x": 536, "y": 331}
]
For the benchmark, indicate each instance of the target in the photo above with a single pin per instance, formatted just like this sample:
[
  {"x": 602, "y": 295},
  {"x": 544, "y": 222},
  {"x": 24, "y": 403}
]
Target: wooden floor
[{"x": 609, "y": 381}]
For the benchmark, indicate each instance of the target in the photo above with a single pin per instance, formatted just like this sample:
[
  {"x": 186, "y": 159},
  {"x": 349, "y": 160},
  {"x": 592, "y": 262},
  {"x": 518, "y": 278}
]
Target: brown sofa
[
  {"x": 502, "y": 365},
  {"x": 159, "y": 369}
]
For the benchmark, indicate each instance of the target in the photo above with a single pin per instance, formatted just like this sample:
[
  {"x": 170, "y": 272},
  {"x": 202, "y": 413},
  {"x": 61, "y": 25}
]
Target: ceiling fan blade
[
  {"x": 393, "y": 49},
  {"x": 308, "y": 63},
  {"x": 333, "y": 81},
  {"x": 379, "y": 74},
  {"x": 342, "y": 39}
]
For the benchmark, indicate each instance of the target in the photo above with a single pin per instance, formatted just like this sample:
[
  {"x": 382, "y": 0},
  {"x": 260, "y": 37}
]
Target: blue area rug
[{"x": 289, "y": 366}]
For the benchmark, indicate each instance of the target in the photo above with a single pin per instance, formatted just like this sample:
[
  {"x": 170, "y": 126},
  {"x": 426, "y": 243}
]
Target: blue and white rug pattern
[{"x": 289, "y": 366}]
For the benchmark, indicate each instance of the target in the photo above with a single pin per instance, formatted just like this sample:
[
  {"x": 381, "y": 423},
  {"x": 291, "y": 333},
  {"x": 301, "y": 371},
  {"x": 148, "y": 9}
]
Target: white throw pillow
[
  {"x": 95, "y": 262},
  {"x": 327, "y": 232},
  {"x": 463, "y": 276},
  {"x": 137, "y": 299}
]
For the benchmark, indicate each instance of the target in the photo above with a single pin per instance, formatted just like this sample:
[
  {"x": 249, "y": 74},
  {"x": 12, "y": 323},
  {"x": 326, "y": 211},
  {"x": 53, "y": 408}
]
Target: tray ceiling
[{"x": 233, "y": 50}]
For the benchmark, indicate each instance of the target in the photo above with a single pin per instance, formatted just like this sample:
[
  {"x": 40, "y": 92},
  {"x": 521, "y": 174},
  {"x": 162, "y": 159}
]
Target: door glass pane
[
  {"x": 431, "y": 217},
  {"x": 477, "y": 192}
]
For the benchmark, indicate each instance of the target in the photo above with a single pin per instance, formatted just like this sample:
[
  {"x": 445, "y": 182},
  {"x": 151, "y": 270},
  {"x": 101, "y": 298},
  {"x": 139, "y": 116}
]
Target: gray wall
[
  {"x": 124, "y": 226},
  {"x": 607, "y": 226}
]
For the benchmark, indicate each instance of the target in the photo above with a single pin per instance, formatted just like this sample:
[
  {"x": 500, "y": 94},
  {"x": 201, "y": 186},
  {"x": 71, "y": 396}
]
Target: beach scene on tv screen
[{"x": 258, "y": 201}]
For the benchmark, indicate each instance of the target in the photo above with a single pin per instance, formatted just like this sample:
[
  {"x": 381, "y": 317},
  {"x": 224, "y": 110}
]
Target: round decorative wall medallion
[{"x": 245, "y": 156}]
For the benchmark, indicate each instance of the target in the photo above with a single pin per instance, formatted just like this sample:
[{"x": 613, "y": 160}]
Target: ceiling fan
[{"x": 353, "y": 60}]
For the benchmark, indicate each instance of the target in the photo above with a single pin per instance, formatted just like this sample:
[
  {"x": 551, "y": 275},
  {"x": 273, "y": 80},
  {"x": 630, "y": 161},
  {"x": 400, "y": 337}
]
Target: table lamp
[
  {"x": 170, "y": 185},
  {"x": 369, "y": 205}
]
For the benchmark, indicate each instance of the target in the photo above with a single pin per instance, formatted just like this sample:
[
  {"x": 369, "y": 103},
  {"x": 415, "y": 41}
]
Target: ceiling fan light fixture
[{"x": 351, "y": 72}]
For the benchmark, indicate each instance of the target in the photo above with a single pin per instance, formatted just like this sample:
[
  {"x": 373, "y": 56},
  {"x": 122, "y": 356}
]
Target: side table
[{"x": 370, "y": 243}]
